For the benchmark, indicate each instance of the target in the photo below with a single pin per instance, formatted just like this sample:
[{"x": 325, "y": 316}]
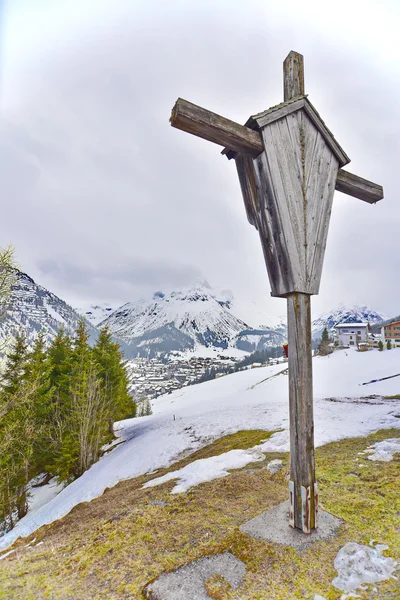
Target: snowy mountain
[
  {"x": 96, "y": 313},
  {"x": 343, "y": 314},
  {"x": 34, "y": 309},
  {"x": 195, "y": 317}
]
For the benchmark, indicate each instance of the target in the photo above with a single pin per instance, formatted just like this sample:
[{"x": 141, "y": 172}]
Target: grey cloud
[
  {"x": 102, "y": 196},
  {"x": 117, "y": 282}
]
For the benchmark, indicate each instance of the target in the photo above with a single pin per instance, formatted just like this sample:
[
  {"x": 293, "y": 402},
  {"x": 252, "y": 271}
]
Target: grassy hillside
[{"x": 113, "y": 546}]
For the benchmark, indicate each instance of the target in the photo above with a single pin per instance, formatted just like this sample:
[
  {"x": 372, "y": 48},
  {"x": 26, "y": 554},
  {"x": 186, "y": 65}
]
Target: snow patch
[
  {"x": 6, "y": 554},
  {"x": 383, "y": 451},
  {"x": 39, "y": 496},
  {"x": 207, "y": 469},
  {"x": 53, "y": 313},
  {"x": 357, "y": 564}
]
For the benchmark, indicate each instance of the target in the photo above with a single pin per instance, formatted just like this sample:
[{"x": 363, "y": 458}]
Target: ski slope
[{"x": 254, "y": 399}]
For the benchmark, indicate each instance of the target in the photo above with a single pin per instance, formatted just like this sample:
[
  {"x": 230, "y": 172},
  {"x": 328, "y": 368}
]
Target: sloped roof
[
  {"x": 274, "y": 113},
  {"x": 350, "y": 325}
]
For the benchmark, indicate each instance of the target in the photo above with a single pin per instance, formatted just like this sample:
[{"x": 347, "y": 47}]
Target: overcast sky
[{"x": 104, "y": 201}]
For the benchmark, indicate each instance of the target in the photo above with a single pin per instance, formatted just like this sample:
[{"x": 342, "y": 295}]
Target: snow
[
  {"x": 96, "y": 313},
  {"x": 383, "y": 451},
  {"x": 39, "y": 496},
  {"x": 207, "y": 469},
  {"x": 53, "y": 313},
  {"x": 200, "y": 351},
  {"x": 194, "y": 311},
  {"x": 191, "y": 417},
  {"x": 357, "y": 564},
  {"x": 6, "y": 554}
]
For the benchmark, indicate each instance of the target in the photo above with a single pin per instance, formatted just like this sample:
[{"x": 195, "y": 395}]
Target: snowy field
[{"x": 255, "y": 399}]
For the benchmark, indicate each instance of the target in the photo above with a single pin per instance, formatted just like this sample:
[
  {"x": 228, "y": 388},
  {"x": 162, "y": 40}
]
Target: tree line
[{"x": 57, "y": 409}]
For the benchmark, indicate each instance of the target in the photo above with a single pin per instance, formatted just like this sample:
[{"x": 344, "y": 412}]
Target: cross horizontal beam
[
  {"x": 238, "y": 138},
  {"x": 214, "y": 128}
]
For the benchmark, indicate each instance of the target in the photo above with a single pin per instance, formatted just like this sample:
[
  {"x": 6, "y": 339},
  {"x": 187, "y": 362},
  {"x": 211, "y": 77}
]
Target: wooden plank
[
  {"x": 293, "y": 76},
  {"x": 278, "y": 112},
  {"x": 302, "y": 461},
  {"x": 289, "y": 158},
  {"x": 272, "y": 237},
  {"x": 245, "y": 170},
  {"x": 328, "y": 135},
  {"x": 214, "y": 128},
  {"x": 360, "y": 188},
  {"x": 321, "y": 207},
  {"x": 278, "y": 207}
]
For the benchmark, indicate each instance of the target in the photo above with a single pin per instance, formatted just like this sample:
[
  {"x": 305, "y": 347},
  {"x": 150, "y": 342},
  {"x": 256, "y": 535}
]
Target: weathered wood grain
[
  {"x": 246, "y": 174},
  {"x": 276, "y": 240},
  {"x": 302, "y": 461},
  {"x": 238, "y": 138},
  {"x": 214, "y": 128},
  {"x": 277, "y": 112},
  {"x": 302, "y": 104},
  {"x": 360, "y": 188},
  {"x": 328, "y": 135},
  {"x": 293, "y": 75}
]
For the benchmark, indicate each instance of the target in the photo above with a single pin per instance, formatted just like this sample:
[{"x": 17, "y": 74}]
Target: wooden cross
[{"x": 289, "y": 165}]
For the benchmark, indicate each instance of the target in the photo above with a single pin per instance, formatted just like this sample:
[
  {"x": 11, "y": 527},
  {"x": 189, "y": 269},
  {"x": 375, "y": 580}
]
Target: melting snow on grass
[
  {"x": 383, "y": 451},
  {"x": 191, "y": 417},
  {"x": 207, "y": 469},
  {"x": 357, "y": 564}
]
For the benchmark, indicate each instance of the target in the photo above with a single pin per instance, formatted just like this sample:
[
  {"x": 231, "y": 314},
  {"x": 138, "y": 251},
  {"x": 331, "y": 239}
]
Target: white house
[{"x": 351, "y": 334}]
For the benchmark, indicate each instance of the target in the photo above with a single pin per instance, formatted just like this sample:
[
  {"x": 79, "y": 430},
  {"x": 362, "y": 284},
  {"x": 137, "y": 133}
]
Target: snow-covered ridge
[
  {"x": 96, "y": 313},
  {"x": 34, "y": 309},
  {"x": 196, "y": 312}
]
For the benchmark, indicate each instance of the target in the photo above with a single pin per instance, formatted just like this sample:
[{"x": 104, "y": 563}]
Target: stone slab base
[
  {"x": 187, "y": 583},
  {"x": 273, "y": 526}
]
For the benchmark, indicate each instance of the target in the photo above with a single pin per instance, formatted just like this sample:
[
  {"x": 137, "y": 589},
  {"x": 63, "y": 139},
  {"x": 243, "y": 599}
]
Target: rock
[
  {"x": 157, "y": 503},
  {"x": 274, "y": 466}
]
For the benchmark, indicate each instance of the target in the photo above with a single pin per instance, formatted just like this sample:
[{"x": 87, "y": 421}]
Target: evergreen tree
[
  {"x": 113, "y": 378},
  {"x": 15, "y": 368},
  {"x": 17, "y": 432},
  {"x": 58, "y": 409},
  {"x": 380, "y": 345},
  {"x": 38, "y": 375},
  {"x": 389, "y": 345},
  {"x": 323, "y": 347}
]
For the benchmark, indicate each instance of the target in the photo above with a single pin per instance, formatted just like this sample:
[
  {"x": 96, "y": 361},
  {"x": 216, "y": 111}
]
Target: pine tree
[
  {"x": 323, "y": 347},
  {"x": 17, "y": 432},
  {"x": 15, "y": 368},
  {"x": 114, "y": 380},
  {"x": 389, "y": 345},
  {"x": 57, "y": 418},
  {"x": 38, "y": 375},
  {"x": 380, "y": 345},
  {"x": 83, "y": 412}
]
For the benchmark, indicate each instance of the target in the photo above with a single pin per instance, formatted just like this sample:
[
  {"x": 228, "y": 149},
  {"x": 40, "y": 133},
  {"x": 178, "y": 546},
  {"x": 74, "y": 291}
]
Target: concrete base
[
  {"x": 273, "y": 526},
  {"x": 187, "y": 583}
]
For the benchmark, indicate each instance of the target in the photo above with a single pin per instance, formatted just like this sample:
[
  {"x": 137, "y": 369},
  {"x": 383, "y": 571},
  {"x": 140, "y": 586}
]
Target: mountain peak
[{"x": 195, "y": 311}]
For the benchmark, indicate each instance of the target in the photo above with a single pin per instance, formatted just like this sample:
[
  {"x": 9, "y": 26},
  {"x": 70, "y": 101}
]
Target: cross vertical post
[{"x": 302, "y": 485}]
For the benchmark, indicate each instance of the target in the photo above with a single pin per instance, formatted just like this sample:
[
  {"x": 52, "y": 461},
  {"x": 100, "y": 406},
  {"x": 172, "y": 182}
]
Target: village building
[
  {"x": 391, "y": 332},
  {"x": 351, "y": 334}
]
